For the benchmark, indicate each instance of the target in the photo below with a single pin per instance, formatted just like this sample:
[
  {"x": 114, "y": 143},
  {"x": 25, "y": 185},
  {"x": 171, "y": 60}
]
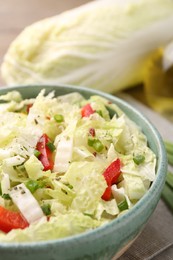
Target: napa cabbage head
[{"x": 104, "y": 44}]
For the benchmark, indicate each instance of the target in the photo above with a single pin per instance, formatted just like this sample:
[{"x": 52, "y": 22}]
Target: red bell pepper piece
[
  {"x": 87, "y": 110},
  {"x": 107, "y": 194},
  {"x": 11, "y": 220},
  {"x": 46, "y": 155},
  {"x": 28, "y": 107},
  {"x": 92, "y": 132},
  {"x": 111, "y": 175}
]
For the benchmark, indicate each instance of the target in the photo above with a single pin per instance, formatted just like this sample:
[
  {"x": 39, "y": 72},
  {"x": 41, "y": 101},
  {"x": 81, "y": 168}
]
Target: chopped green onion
[
  {"x": 90, "y": 141},
  {"x": 51, "y": 146},
  {"x": 69, "y": 186},
  {"x": 37, "y": 153},
  {"x": 99, "y": 112},
  {"x": 58, "y": 118},
  {"x": 123, "y": 205},
  {"x": 32, "y": 185},
  {"x": 0, "y": 190},
  {"x": 46, "y": 209},
  {"x": 96, "y": 144},
  {"x": 6, "y": 196},
  {"x": 138, "y": 159}
]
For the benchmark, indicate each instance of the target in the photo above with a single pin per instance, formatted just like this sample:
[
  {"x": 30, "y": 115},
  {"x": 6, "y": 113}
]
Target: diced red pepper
[
  {"x": 46, "y": 155},
  {"x": 28, "y": 107},
  {"x": 111, "y": 175},
  {"x": 87, "y": 110},
  {"x": 107, "y": 194},
  {"x": 92, "y": 132},
  {"x": 11, "y": 220}
]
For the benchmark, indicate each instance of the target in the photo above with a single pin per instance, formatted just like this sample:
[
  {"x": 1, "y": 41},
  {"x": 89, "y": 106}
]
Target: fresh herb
[
  {"x": 46, "y": 209},
  {"x": 59, "y": 118},
  {"x": 138, "y": 159},
  {"x": 69, "y": 186},
  {"x": 6, "y": 196}
]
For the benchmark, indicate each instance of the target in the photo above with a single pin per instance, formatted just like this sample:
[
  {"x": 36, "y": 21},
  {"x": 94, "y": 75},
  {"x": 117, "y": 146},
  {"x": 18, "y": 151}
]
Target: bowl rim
[{"x": 137, "y": 208}]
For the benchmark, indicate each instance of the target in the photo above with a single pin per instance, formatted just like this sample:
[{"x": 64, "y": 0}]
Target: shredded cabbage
[{"x": 71, "y": 192}]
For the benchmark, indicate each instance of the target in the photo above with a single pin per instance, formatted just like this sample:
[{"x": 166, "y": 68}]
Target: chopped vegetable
[
  {"x": 26, "y": 203},
  {"x": 32, "y": 185},
  {"x": 63, "y": 155},
  {"x": 123, "y": 205},
  {"x": 92, "y": 132},
  {"x": 138, "y": 159},
  {"x": 37, "y": 153},
  {"x": 46, "y": 209},
  {"x": 46, "y": 155},
  {"x": 11, "y": 220},
  {"x": 6, "y": 196},
  {"x": 95, "y": 144},
  {"x": 5, "y": 183},
  {"x": 59, "y": 118},
  {"x": 51, "y": 146},
  {"x": 111, "y": 175},
  {"x": 28, "y": 107},
  {"x": 87, "y": 110}
]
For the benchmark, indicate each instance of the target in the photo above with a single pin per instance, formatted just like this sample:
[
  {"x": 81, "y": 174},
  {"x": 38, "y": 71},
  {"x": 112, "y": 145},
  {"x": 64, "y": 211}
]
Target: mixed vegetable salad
[{"x": 67, "y": 165}]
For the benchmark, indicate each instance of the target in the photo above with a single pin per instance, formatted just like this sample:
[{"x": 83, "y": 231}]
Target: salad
[{"x": 67, "y": 165}]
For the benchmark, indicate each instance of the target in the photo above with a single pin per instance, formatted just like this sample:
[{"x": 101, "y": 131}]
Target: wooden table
[{"x": 15, "y": 15}]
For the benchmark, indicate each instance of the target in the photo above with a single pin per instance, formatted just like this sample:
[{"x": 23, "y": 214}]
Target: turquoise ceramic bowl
[{"x": 113, "y": 238}]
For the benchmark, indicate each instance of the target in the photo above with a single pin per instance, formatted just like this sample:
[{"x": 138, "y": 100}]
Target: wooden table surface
[{"x": 15, "y": 15}]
